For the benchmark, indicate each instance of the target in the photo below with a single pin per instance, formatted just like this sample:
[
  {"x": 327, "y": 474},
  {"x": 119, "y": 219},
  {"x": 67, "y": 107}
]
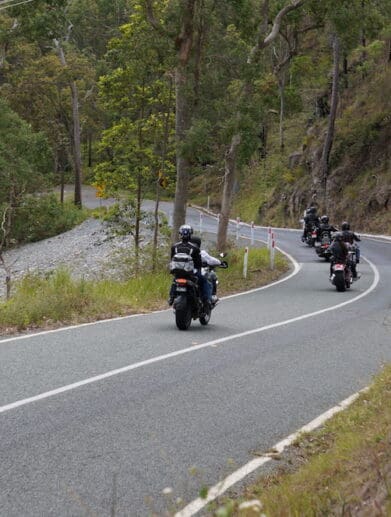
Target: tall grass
[{"x": 58, "y": 298}]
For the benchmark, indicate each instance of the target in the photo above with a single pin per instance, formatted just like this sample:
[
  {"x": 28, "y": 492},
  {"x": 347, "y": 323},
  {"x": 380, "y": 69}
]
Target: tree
[
  {"x": 24, "y": 157},
  {"x": 264, "y": 40},
  {"x": 138, "y": 94}
]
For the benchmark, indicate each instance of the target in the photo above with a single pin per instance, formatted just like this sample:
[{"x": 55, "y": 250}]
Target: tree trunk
[
  {"x": 76, "y": 129},
  {"x": 89, "y": 143},
  {"x": 281, "y": 88},
  {"x": 76, "y": 143},
  {"x": 156, "y": 227},
  {"x": 229, "y": 181},
  {"x": 138, "y": 219},
  {"x": 182, "y": 124},
  {"x": 324, "y": 164},
  {"x": 6, "y": 225},
  {"x": 263, "y": 41},
  {"x": 184, "y": 104}
]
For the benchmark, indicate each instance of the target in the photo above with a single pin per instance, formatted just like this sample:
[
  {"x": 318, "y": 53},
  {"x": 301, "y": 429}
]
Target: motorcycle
[
  {"x": 311, "y": 235},
  {"x": 322, "y": 246},
  {"x": 188, "y": 303},
  {"x": 341, "y": 276},
  {"x": 342, "y": 272}
]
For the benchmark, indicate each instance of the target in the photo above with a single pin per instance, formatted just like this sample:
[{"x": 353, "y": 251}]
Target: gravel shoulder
[{"x": 87, "y": 251}]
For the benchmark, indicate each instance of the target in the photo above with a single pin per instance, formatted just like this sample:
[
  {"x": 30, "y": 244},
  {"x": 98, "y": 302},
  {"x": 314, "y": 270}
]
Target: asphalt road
[{"x": 183, "y": 409}]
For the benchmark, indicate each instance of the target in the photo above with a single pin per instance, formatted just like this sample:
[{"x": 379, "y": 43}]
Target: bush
[{"x": 38, "y": 218}]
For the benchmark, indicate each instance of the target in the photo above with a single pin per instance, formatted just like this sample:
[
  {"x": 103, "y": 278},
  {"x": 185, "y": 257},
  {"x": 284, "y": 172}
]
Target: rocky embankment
[{"x": 88, "y": 251}]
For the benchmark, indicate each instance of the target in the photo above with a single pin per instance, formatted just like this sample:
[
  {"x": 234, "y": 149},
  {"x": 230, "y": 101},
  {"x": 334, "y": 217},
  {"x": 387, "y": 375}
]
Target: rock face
[{"x": 87, "y": 250}]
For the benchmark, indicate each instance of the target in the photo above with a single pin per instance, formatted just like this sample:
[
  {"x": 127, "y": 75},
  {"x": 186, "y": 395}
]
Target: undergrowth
[{"x": 56, "y": 298}]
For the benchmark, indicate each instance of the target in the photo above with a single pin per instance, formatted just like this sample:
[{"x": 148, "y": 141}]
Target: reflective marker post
[
  {"x": 237, "y": 227},
  {"x": 272, "y": 251},
  {"x": 269, "y": 238},
  {"x": 252, "y": 232},
  {"x": 245, "y": 262},
  {"x": 200, "y": 222}
]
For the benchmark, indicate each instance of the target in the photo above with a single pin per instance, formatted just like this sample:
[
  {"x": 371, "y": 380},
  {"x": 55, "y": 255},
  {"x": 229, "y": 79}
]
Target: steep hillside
[{"x": 277, "y": 189}]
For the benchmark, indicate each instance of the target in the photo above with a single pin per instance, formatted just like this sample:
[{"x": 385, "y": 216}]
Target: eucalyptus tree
[
  {"x": 46, "y": 24},
  {"x": 137, "y": 92},
  {"x": 265, "y": 38},
  {"x": 344, "y": 26}
]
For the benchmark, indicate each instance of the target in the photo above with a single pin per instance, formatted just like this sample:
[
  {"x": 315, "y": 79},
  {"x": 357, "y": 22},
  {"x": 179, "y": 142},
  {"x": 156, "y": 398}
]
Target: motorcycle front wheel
[
  {"x": 182, "y": 313},
  {"x": 205, "y": 318}
]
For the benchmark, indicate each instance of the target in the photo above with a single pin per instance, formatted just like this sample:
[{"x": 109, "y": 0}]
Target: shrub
[{"x": 41, "y": 217}]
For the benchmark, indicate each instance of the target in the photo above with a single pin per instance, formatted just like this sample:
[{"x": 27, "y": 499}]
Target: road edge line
[{"x": 220, "y": 488}]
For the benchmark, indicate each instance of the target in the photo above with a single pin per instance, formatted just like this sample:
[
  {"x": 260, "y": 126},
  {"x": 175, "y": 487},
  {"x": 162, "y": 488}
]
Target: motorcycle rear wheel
[
  {"x": 182, "y": 313},
  {"x": 339, "y": 282}
]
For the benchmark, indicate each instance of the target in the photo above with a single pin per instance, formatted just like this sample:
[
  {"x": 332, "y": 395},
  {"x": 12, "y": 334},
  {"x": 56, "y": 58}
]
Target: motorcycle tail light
[{"x": 181, "y": 281}]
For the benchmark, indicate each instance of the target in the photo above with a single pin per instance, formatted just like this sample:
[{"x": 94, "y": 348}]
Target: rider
[
  {"x": 351, "y": 237},
  {"x": 339, "y": 251},
  {"x": 325, "y": 227},
  {"x": 185, "y": 245},
  {"x": 310, "y": 219},
  {"x": 209, "y": 260}
]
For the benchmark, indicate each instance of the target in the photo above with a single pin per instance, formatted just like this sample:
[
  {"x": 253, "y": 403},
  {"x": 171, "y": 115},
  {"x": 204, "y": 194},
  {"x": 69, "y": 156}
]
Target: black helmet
[
  {"x": 345, "y": 226},
  {"x": 185, "y": 231},
  {"x": 324, "y": 219},
  {"x": 196, "y": 240}
]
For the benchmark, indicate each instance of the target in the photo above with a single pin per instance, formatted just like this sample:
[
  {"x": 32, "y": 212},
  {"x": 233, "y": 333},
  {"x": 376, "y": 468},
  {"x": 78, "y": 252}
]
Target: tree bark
[
  {"x": 182, "y": 124},
  {"x": 183, "y": 115},
  {"x": 281, "y": 88},
  {"x": 229, "y": 181},
  {"x": 184, "y": 104},
  {"x": 6, "y": 224},
  {"x": 76, "y": 143},
  {"x": 76, "y": 129},
  {"x": 328, "y": 144}
]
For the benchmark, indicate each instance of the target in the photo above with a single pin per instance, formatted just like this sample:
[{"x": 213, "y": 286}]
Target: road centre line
[
  {"x": 164, "y": 357},
  {"x": 253, "y": 465}
]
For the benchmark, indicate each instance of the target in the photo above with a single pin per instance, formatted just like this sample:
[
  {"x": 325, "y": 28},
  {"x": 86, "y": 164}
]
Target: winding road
[{"x": 131, "y": 417}]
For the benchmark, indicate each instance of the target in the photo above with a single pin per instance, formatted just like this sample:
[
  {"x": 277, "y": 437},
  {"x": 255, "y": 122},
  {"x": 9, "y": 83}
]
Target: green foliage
[
  {"x": 38, "y": 218},
  {"x": 122, "y": 217},
  {"x": 24, "y": 156}
]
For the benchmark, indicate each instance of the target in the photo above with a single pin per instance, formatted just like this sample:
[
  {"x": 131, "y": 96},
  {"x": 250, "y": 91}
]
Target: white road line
[
  {"x": 296, "y": 269},
  {"x": 219, "y": 489},
  {"x": 188, "y": 350}
]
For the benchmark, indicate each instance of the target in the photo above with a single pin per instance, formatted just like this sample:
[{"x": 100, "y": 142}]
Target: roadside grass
[
  {"x": 56, "y": 298},
  {"x": 344, "y": 468}
]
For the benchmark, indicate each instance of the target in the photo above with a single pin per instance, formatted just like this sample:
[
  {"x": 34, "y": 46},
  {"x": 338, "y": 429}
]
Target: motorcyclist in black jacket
[
  {"x": 339, "y": 251},
  {"x": 190, "y": 248},
  {"x": 325, "y": 227},
  {"x": 351, "y": 238},
  {"x": 310, "y": 219}
]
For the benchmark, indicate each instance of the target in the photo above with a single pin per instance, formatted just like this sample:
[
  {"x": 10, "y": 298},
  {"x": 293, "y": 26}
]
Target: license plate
[
  {"x": 181, "y": 289},
  {"x": 339, "y": 267}
]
